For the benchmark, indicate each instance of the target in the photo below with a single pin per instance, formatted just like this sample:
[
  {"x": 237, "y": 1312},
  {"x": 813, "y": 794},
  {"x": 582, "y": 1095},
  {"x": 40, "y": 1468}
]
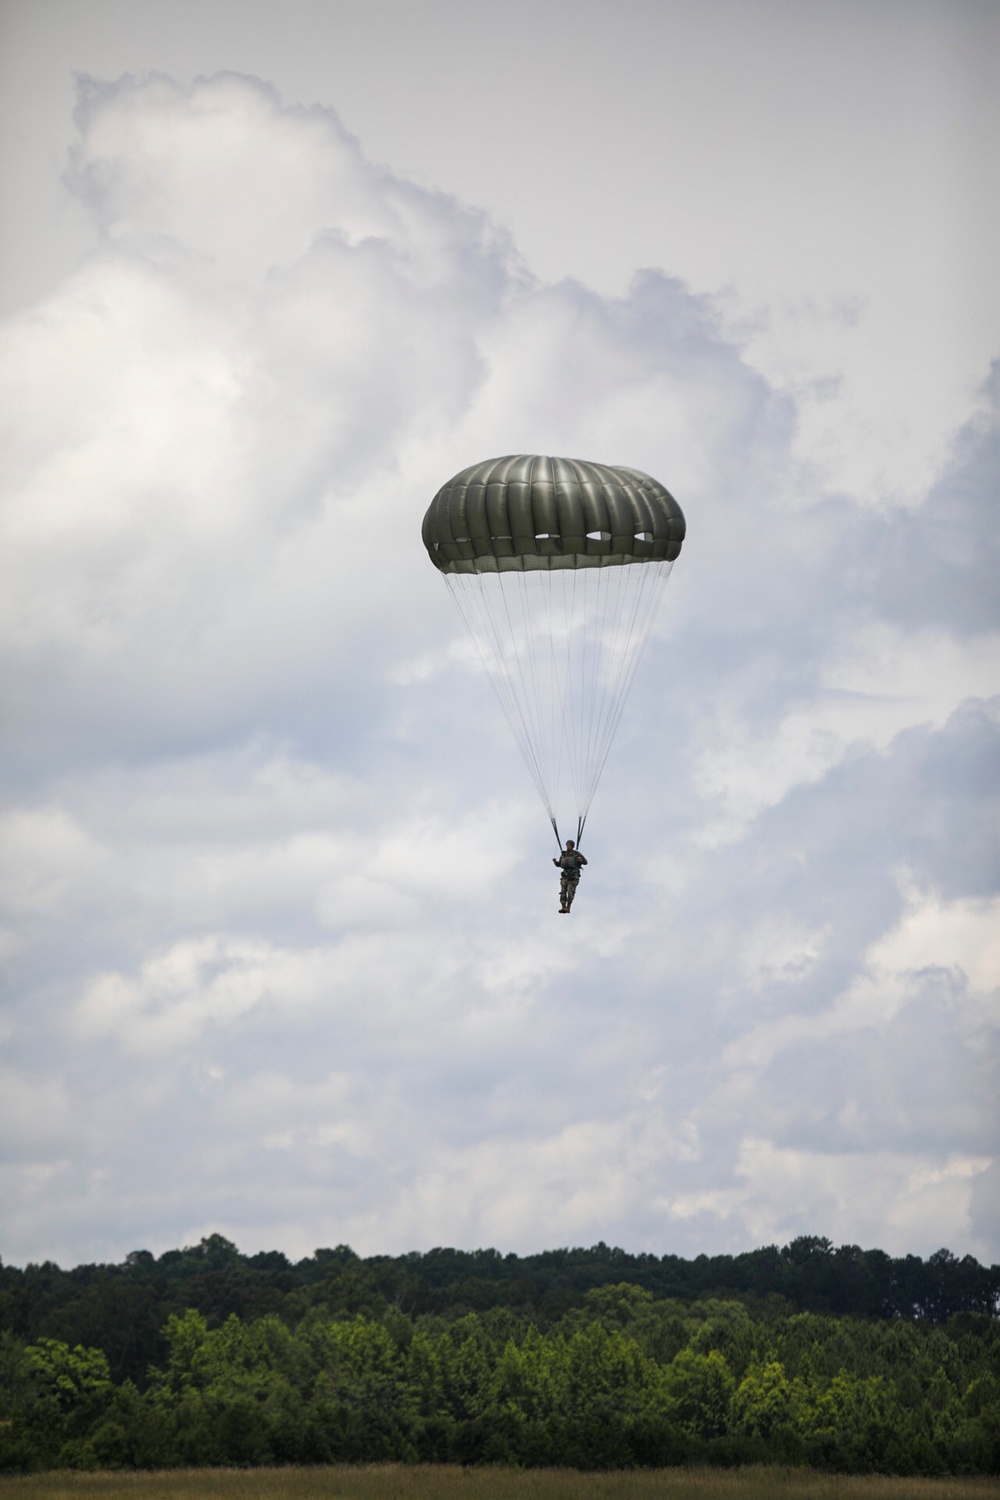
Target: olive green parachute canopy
[
  {"x": 529, "y": 512},
  {"x": 557, "y": 567}
]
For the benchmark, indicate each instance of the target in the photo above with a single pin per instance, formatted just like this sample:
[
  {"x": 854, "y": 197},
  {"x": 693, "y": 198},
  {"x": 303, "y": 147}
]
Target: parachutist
[{"x": 570, "y": 862}]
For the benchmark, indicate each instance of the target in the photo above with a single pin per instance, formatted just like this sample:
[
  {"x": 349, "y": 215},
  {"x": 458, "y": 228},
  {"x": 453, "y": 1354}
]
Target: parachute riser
[{"x": 579, "y": 831}]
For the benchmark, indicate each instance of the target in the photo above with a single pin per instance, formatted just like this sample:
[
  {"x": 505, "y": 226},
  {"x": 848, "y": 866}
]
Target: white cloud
[
  {"x": 278, "y": 896},
  {"x": 780, "y": 951},
  {"x": 961, "y": 937},
  {"x": 34, "y": 1113},
  {"x": 879, "y": 1197},
  {"x": 44, "y": 850},
  {"x": 880, "y": 681},
  {"x": 194, "y": 985}
]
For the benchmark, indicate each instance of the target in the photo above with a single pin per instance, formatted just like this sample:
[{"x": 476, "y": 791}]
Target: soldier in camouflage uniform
[{"x": 569, "y": 864}]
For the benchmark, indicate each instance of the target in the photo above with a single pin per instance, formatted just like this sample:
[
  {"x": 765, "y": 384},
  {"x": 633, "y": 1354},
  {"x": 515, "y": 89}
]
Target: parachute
[{"x": 557, "y": 567}]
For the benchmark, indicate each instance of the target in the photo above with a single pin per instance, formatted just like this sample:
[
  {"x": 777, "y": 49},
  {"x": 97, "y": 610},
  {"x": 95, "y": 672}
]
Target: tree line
[
  {"x": 123, "y": 1308},
  {"x": 585, "y": 1358}
]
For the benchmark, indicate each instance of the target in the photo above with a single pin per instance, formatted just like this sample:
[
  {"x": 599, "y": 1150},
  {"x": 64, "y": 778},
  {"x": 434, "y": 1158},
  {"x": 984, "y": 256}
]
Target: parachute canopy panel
[{"x": 528, "y": 512}]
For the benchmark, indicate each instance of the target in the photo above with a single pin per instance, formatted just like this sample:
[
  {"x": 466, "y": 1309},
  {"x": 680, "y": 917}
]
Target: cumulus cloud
[{"x": 278, "y": 916}]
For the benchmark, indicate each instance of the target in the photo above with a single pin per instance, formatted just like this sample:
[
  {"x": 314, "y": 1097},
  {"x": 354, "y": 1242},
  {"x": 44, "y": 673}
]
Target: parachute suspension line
[
  {"x": 620, "y": 598},
  {"x": 565, "y": 591},
  {"x": 582, "y": 687},
  {"x": 528, "y": 713},
  {"x": 641, "y": 614},
  {"x": 483, "y": 627},
  {"x": 562, "y": 670},
  {"x": 538, "y": 683},
  {"x": 612, "y": 585},
  {"x": 544, "y": 679},
  {"x": 605, "y": 635},
  {"x": 608, "y": 586},
  {"x": 618, "y": 608},
  {"x": 561, "y": 648},
  {"x": 605, "y": 587}
]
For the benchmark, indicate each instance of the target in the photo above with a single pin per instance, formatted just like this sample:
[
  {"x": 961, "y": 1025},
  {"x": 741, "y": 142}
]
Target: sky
[{"x": 281, "y": 949}]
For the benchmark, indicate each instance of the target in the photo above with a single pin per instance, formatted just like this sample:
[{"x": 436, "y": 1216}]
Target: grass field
[{"x": 439, "y": 1482}]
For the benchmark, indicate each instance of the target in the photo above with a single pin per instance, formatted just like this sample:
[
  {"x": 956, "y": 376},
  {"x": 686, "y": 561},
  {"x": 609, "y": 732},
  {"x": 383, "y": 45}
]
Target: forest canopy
[{"x": 595, "y": 1358}]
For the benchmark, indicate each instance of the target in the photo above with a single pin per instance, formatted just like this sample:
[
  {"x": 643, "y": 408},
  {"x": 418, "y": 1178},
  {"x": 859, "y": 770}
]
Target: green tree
[
  {"x": 768, "y": 1406},
  {"x": 66, "y": 1392},
  {"x": 700, "y": 1390}
]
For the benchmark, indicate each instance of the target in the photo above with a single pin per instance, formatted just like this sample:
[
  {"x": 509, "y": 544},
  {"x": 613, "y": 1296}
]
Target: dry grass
[{"x": 443, "y": 1482}]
